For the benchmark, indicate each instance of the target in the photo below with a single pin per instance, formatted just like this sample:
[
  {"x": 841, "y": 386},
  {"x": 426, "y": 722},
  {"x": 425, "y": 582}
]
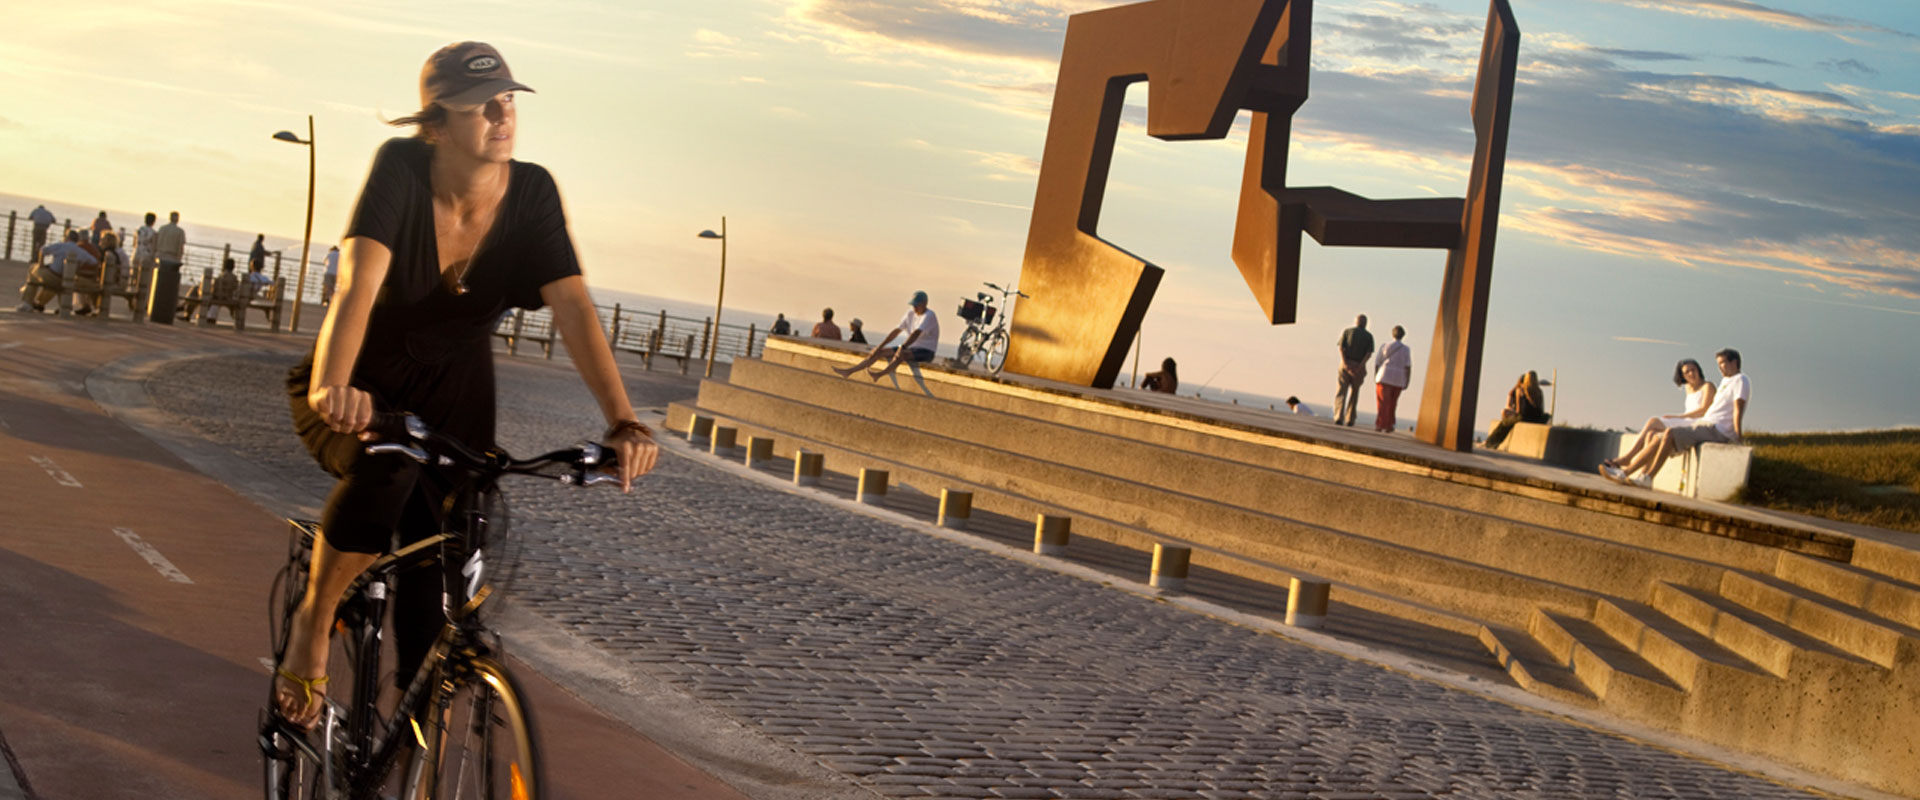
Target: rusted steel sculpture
[{"x": 1203, "y": 61}]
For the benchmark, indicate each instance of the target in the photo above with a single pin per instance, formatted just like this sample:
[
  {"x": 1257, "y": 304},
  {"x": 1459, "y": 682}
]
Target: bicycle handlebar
[{"x": 408, "y": 435}]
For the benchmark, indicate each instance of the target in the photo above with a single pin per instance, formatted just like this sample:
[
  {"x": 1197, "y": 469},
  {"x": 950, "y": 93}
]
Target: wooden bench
[
  {"x": 133, "y": 288},
  {"x": 518, "y": 326},
  {"x": 268, "y": 302}
]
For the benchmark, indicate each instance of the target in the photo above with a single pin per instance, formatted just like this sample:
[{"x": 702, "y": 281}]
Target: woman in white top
[{"x": 1686, "y": 374}]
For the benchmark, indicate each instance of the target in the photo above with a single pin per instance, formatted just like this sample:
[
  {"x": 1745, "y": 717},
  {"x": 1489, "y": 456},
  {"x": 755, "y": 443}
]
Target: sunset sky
[{"x": 1683, "y": 175}]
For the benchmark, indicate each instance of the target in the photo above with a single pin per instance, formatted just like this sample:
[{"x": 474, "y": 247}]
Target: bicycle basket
[
  {"x": 986, "y": 315},
  {"x": 970, "y": 310}
]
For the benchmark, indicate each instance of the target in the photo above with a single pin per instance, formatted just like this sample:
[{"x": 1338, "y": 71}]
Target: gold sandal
[{"x": 307, "y": 686}]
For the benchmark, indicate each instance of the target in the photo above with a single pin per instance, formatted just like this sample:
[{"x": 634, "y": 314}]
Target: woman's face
[
  {"x": 483, "y": 132},
  {"x": 1690, "y": 372}
]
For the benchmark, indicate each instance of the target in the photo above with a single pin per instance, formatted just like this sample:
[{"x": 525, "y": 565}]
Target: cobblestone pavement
[{"x": 925, "y": 668}]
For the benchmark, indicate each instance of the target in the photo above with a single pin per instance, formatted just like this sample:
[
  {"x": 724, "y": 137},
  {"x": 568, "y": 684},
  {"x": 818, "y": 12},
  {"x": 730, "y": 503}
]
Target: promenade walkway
[
  {"x": 789, "y": 645},
  {"x": 134, "y": 588}
]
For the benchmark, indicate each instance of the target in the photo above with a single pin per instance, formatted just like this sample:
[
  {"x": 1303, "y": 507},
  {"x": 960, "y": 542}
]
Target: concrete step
[
  {"x": 1851, "y": 630},
  {"x": 1850, "y": 585},
  {"x": 1767, "y": 643},
  {"x": 1682, "y": 654},
  {"x": 1533, "y": 667},
  {"x": 1626, "y": 683},
  {"x": 1247, "y": 436},
  {"x": 1563, "y": 557},
  {"x": 1477, "y": 591},
  {"x": 1349, "y": 588}
]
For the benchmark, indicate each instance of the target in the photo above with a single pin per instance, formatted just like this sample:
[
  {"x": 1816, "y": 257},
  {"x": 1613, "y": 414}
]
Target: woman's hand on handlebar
[
  {"x": 634, "y": 443},
  {"x": 345, "y": 409}
]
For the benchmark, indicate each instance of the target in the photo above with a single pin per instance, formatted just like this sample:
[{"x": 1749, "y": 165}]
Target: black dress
[{"x": 427, "y": 352}]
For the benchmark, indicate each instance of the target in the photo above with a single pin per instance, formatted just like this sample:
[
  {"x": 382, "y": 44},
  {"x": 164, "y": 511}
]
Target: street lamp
[
  {"x": 306, "y": 241},
  {"x": 713, "y": 337}
]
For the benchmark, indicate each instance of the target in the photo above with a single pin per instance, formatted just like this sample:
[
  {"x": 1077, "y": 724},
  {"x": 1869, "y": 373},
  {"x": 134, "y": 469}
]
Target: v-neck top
[{"x": 427, "y": 349}]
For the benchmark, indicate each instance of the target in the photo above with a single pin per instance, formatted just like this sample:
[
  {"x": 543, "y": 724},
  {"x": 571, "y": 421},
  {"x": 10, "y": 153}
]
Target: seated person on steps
[{"x": 922, "y": 332}]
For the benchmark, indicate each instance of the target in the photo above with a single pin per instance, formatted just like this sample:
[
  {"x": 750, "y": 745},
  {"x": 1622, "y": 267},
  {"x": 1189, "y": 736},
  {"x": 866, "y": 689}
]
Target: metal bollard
[
  {"x": 1169, "y": 567},
  {"x": 1050, "y": 534},
  {"x": 700, "y": 429},
  {"x": 1307, "y": 603},
  {"x": 807, "y": 468},
  {"x": 873, "y": 487},
  {"x": 956, "y": 507},
  {"x": 759, "y": 448},
  {"x": 724, "y": 437}
]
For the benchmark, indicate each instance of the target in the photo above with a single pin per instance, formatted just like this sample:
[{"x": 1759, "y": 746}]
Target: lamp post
[
  {"x": 713, "y": 339},
  {"x": 306, "y": 240}
]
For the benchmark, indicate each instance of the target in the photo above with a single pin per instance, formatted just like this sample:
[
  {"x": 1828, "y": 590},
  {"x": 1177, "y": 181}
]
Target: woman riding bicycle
[{"x": 449, "y": 233}]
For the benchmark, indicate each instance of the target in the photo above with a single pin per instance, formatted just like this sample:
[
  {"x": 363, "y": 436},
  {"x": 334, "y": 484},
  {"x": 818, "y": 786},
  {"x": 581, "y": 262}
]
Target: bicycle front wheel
[
  {"x": 478, "y": 740},
  {"x": 996, "y": 354}
]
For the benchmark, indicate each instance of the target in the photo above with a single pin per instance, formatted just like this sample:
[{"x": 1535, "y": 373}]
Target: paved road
[
  {"x": 132, "y": 594},
  {"x": 920, "y": 667}
]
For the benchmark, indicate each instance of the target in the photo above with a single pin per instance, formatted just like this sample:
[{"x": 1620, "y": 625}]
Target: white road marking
[
  {"x": 10, "y": 345},
  {"x": 57, "y": 338},
  {"x": 59, "y": 475},
  {"x": 266, "y": 662},
  {"x": 146, "y": 551}
]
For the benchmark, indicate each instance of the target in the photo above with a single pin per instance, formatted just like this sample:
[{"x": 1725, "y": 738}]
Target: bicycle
[
  {"x": 986, "y": 329},
  {"x": 461, "y": 714}
]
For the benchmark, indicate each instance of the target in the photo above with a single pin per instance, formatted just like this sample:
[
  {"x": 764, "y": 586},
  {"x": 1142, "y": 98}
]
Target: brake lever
[{"x": 411, "y": 451}]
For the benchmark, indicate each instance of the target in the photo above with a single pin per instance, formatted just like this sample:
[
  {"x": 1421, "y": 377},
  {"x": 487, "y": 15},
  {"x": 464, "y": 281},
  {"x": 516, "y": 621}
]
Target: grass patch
[{"x": 1870, "y": 477}]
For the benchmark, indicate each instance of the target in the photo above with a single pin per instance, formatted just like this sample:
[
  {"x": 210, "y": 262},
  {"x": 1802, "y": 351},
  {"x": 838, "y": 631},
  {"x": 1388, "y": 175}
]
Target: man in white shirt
[
  {"x": 1393, "y": 370},
  {"x": 170, "y": 247},
  {"x": 922, "y": 332},
  {"x": 145, "y": 257},
  {"x": 1725, "y": 421}
]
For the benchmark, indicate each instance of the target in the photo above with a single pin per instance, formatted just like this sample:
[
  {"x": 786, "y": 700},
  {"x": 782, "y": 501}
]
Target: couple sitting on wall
[{"x": 1714, "y": 414}]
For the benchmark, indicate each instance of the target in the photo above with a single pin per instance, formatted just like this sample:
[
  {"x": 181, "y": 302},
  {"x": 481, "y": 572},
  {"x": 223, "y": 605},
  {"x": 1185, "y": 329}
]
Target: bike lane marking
[
  {"x": 147, "y": 551},
  {"x": 60, "y": 476}
]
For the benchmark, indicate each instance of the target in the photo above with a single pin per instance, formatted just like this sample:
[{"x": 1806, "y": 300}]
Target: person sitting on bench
[{"x": 1725, "y": 421}]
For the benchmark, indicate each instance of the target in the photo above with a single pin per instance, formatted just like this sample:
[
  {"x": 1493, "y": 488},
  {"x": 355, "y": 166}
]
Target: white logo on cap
[{"x": 482, "y": 64}]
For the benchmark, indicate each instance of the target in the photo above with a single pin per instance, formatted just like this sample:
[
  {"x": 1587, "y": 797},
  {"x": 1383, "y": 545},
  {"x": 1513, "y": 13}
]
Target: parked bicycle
[
  {"x": 461, "y": 719},
  {"x": 986, "y": 335}
]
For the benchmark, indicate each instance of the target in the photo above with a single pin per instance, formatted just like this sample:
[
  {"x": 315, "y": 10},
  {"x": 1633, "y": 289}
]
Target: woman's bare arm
[
  {"x": 363, "y": 268},
  {"x": 579, "y": 326}
]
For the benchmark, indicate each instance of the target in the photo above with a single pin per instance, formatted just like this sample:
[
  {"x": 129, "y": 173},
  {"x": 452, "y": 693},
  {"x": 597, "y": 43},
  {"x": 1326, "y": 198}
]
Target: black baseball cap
[{"x": 466, "y": 74}]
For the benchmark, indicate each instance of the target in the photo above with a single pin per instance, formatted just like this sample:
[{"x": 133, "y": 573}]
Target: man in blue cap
[{"x": 922, "y": 332}]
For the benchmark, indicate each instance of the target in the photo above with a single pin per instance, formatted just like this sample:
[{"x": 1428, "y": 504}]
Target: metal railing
[{"x": 630, "y": 330}]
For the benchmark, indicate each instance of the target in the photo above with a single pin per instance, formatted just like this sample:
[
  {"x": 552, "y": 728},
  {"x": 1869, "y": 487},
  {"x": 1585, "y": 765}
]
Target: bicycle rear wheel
[
  {"x": 969, "y": 345},
  {"x": 478, "y": 740}
]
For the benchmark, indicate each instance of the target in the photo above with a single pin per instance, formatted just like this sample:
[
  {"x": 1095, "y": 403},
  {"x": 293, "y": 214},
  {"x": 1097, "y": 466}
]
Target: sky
[{"x": 1682, "y": 176}]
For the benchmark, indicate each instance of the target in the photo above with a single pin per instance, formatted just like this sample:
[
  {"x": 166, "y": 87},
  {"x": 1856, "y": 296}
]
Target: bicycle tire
[
  {"x": 969, "y": 344},
  {"x": 996, "y": 352},
  {"x": 478, "y": 740}
]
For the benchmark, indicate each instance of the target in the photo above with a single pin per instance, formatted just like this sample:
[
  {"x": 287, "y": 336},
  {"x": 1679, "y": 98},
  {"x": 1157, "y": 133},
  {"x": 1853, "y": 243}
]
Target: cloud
[
  {"x": 972, "y": 201},
  {"x": 8, "y": 125},
  {"x": 1610, "y": 151},
  {"x": 1848, "y": 66},
  {"x": 1642, "y": 55},
  {"x": 705, "y": 36},
  {"x": 1639, "y": 340},
  {"x": 1766, "y": 15}
]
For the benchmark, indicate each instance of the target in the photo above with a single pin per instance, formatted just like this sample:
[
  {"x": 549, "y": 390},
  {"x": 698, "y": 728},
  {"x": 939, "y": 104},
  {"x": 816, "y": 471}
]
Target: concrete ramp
[{"x": 1744, "y": 629}]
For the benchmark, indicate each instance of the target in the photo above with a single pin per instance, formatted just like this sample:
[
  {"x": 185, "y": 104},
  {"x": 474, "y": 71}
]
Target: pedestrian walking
[
  {"x": 257, "y": 260},
  {"x": 41, "y": 219},
  {"x": 170, "y": 249},
  {"x": 332, "y": 276},
  {"x": 1356, "y": 345},
  {"x": 1392, "y": 371},
  {"x": 144, "y": 259},
  {"x": 100, "y": 226}
]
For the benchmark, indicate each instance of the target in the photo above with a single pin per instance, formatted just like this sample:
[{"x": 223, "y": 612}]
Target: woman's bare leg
[
  {"x": 1647, "y": 431},
  {"x": 307, "y": 638}
]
